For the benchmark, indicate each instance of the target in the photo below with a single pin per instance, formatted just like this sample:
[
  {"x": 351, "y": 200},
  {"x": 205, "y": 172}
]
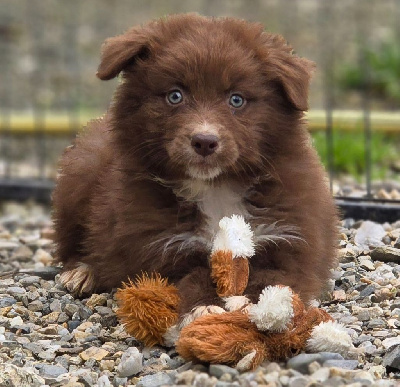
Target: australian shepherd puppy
[{"x": 207, "y": 121}]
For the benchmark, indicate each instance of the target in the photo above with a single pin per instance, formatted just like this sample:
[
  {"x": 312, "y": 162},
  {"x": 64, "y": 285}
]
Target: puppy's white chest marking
[{"x": 219, "y": 201}]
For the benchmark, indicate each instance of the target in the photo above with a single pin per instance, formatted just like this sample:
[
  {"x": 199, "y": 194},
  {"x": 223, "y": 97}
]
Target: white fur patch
[
  {"x": 330, "y": 336},
  {"x": 197, "y": 312},
  {"x": 234, "y": 235},
  {"x": 274, "y": 310},
  {"x": 78, "y": 281},
  {"x": 171, "y": 336},
  {"x": 203, "y": 173},
  {"x": 233, "y": 303},
  {"x": 246, "y": 362}
]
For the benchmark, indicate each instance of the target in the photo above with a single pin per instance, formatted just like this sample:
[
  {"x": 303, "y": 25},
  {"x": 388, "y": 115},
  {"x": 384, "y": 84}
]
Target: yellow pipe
[{"x": 63, "y": 123}]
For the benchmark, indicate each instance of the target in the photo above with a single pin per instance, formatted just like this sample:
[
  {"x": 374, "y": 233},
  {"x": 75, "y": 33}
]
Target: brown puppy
[{"x": 207, "y": 122}]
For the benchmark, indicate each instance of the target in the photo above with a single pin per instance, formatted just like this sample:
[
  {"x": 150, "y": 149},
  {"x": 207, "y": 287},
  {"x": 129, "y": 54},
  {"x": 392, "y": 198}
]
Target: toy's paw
[
  {"x": 197, "y": 312},
  {"x": 330, "y": 336},
  {"x": 148, "y": 308},
  {"x": 228, "y": 338},
  {"x": 274, "y": 311},
  {"x": 78, "y": 281}
]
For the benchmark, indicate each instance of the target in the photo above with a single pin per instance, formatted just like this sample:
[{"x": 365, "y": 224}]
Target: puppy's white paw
[
  {"x": 78, "y": 281},
  {"x": 199, "y": 311}
]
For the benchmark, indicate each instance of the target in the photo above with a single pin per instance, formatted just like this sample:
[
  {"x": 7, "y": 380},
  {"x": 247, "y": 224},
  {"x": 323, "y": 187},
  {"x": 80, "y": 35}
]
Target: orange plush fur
[
  {"x": 230, "y": 275},
  {"x": 148, "y": 307}
]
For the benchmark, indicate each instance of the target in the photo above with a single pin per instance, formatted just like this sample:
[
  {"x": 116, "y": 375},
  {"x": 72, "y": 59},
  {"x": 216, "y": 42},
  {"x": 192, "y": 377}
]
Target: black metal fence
[{"x": 48, "y": 89}]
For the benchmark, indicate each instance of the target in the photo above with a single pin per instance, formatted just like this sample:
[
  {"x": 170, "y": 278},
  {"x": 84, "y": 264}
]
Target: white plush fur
[
  {"x": 233, "y": 303},
  {"x": 197, "y": 312},
  {"x": 274, "y": 310},
  {"x": 245, "y": 363},
  {"x": 234, "y": 235},
  {"x": 171, "y": 336},
  {"x": 330, "y": 336}
]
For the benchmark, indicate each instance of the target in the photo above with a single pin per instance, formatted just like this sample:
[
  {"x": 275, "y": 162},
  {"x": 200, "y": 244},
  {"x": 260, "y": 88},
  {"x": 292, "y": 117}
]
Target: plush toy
[{"x": 277, "y": 327}]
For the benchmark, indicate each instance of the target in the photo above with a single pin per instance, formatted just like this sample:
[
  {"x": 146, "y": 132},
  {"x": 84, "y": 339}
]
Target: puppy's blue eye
[
  {"x": 236, "y": 100},
  {"x": 174, "y": 97}
]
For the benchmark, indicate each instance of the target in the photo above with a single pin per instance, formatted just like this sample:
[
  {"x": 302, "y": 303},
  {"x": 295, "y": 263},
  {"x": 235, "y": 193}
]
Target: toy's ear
[
  {"x": 120, "y": 51},
  {"x": 291, "y": 72}
]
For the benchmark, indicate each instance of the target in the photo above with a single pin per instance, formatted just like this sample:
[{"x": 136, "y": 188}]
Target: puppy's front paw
[
  {"x": 78, "y": 281},
  {"x": 199, "y": 311}
]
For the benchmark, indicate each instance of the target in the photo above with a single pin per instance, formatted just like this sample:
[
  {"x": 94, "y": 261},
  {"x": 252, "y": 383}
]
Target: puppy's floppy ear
[
  {"x": 119, "y": 51},
  {"x": 290, "y": 71}
]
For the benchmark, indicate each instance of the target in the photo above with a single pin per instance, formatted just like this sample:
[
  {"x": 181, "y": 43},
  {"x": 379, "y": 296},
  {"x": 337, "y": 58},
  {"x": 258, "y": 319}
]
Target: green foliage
[
  {"x": 349, "y": 153},
  {"x": 384, "y": 72}
]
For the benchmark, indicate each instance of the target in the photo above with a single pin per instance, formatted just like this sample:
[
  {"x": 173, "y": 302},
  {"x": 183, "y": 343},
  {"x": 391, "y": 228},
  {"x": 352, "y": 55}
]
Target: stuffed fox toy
[{"x": 246, "y": 334}]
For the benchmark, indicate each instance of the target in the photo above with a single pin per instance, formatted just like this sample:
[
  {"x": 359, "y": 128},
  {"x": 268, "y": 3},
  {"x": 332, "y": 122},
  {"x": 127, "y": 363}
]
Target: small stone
[
  {"x": 107, "y": 365},
  {"x": 6, "y": 245},
  {"x": 185, "y": 378},
  {"x": 385, "y": 254},
  {"x": 131, "y": 362},
  {"x": 12, "y": 375},
  {"x": 299, "y": 381},
  {"x": 345, "y": 364},
  {"x": 366, "y": 264},
  {"x": 16, "y": 291},
  {"x": 93, "y": 353},
  {"x": 392, "y": 357},
  {"x": 103, "y": 381},
  {"x": 43, "y": 257},
  {"x": 51, "y": 318},
  {"x": 22, "y": 254},
  {"x": 29, "y": 280},
  {"x": 7, "y": 301},
  {"x": 339, "y": 295},
  {"x": 369, "y": 234},
  {"x": 301, "y": 362},
  {"x": 16, "y": 321},
  {"x": 50, "y": 371},
  {"x": 73, "y": 324},
  {"x": 96, "y": 300},
  {"x": 218, "y": 370},
  {"x": 117, "y": 382},
  {"x": 321, "y": 374},
  {"x": 70, "y": 309},
  {"x": 158, "y": 379},
  {"x": 367, "y": 291},
  {"x": 390, "y": 342},
  {"x": 35, "y": 306}
]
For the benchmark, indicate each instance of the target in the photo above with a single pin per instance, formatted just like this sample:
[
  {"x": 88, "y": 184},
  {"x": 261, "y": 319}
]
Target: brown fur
[{"x": 125, "y": 201}]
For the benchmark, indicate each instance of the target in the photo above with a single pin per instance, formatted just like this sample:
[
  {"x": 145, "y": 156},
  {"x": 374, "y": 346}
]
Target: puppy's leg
[
  {"x": 306, "y": 286},
  {"x": 78, "y": 280},
  {"x": 198, "y": 296}
]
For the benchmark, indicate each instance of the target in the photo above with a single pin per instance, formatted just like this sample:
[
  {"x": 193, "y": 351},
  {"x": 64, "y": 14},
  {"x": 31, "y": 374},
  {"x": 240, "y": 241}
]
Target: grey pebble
[
  {"x": 158, "y": 379},
  {"x": 50, "y": 371},
  {"x": 7, "y": 301},
  {"x": 131, "y": 362},
  {"x": 392, "y": 357},
  {"x": 29, "y": 280},
  {"x": 346, "y": 364},
  {"x": 301, "y": 362},
  {"x": 218, "y": 370}
]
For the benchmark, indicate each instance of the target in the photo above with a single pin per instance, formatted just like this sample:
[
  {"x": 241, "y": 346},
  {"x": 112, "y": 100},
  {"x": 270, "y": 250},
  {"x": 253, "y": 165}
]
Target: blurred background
[{"x": 49, "y": 53}]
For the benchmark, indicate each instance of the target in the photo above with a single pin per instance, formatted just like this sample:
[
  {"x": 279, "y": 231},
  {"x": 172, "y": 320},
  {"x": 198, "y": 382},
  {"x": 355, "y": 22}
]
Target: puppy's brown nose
[{"x": 205, "y": 144}]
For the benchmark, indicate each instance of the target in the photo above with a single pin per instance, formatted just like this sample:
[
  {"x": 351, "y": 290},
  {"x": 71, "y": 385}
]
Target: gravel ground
[{"x": 49, "y": 338}]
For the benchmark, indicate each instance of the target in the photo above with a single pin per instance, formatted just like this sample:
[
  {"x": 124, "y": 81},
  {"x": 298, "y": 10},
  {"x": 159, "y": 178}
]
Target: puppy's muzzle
[{"x": 205, "y": 144}]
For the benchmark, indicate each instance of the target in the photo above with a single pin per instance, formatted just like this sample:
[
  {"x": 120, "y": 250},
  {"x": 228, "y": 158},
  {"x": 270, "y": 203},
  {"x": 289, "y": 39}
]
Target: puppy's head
[{"x": 204, "y": 98}]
